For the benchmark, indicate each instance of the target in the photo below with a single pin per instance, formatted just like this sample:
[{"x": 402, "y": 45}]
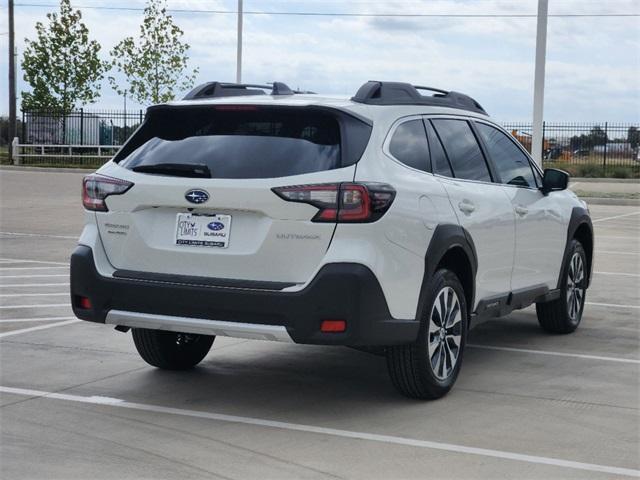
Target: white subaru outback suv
[{"x": 392, "y": 221}]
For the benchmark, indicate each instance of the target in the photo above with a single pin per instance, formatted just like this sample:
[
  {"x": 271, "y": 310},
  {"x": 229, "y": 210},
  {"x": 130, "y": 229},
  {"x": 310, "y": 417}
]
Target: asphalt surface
[{"x": 77, "y": 402}]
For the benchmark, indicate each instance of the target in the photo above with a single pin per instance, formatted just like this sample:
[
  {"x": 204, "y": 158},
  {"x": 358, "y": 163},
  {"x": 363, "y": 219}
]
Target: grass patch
[
  {"x": 587, "y": 194},
  {"x": 593, "y": 170},
  {"x": 76, "y": 161}
]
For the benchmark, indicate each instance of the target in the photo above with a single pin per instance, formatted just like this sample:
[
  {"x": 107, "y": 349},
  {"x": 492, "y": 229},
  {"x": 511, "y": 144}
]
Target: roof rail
[
  {"x": 397, "y": 93},
  {"x": 221, "y": 89}
]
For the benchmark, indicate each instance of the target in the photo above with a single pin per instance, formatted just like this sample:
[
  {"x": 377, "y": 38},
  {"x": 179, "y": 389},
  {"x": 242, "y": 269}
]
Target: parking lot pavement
[{"x": 76, "y": 401}]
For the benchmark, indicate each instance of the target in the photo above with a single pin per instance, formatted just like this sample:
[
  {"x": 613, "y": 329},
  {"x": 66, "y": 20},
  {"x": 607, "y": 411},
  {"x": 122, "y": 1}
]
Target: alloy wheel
[
  {"x": 575, "y": 286},
  {"x": 445, "y": 333}
]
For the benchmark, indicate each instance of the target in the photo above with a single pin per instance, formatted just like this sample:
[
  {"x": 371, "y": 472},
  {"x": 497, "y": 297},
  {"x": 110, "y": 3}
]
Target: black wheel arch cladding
[
  {"x": 447, "y": 239},
  {"x": 580, "y": 228}
]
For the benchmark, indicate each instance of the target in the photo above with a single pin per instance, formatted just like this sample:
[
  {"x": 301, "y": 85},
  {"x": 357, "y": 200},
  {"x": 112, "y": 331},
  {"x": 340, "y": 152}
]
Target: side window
[
  {"x": 439, "y": 161},
  {"x": 409, "y": 145},
  {"x": 512, "y": 165},
  {"x": 462, "y": 149}
]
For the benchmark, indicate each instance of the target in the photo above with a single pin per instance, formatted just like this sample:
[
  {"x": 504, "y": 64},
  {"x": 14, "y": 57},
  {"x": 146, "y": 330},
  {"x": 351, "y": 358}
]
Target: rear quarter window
[{"x": 409, "y": 145}]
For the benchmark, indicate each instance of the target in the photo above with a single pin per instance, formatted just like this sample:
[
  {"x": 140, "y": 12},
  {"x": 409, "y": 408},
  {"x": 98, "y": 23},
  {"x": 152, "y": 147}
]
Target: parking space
[{"x": 76, "y": 401}]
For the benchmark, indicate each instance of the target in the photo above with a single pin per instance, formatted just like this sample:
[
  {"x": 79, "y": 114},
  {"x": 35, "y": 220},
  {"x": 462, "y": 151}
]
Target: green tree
[
  {"x": 61, "y": 65},
  {"x": 154, "y": 66},
  {"x": 597, "y": 136}
]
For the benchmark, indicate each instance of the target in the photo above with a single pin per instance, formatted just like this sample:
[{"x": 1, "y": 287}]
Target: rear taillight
[
  {"x": 95, "y": 188},
  {"x": 342, "y": 202}
]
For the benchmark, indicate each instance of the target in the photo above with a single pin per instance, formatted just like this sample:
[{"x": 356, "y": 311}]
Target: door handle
[
  {"x": 520, "y": 210},
  {"x": 466, "y": 206}
]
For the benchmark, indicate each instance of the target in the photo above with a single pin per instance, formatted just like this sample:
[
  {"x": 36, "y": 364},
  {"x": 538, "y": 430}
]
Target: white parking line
[
  {"x": 609, "y": 252},
  {"x": 557, "y": 354},
  {"x": 6, "y": 295},
  {"x": 10, "y": 333},
  {"x": 613, "y": 305},
  {"x": 372, "y": 437},
  {"x": 36, "y": 276},
  {"x": 18, "y": 285},
  {"x": 619, "y": 273},
  {"x": 51, "y": 305},
  {"x": 24, "y": 260},
  {"x": 42, "y": 319},
  {"x": 25, "y": 234},
  {"x": 618, "y": 237},
  {"x": 3, "y": 269},
  {"x": 615, "y": 216}
]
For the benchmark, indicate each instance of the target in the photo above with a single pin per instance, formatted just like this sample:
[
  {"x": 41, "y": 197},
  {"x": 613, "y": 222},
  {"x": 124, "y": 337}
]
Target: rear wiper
[{"x": 192, "y": 170}]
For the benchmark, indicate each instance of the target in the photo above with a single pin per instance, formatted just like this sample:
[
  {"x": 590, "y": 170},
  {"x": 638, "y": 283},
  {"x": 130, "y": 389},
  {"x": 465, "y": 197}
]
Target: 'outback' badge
[{"x": 196, "y": 196}]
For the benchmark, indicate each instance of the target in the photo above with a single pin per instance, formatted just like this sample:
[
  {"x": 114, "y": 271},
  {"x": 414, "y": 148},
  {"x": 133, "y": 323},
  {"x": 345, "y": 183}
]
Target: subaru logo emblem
[
  {"x": 196, "y": 196},
  {"x": 215, "y": 226}
]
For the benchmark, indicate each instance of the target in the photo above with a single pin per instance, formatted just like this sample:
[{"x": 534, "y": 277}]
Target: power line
[{"x": 345, "y": 14}]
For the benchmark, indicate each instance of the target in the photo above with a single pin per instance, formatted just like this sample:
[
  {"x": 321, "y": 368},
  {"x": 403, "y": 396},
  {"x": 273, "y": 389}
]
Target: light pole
[
  {"x": 537, "y": 139},
  {"x": 239, "y": 52},
  {"x": 12, "y": 81}
]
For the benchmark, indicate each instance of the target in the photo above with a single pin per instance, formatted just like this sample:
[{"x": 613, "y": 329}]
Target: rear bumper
[{"x": 343, "y": 291}]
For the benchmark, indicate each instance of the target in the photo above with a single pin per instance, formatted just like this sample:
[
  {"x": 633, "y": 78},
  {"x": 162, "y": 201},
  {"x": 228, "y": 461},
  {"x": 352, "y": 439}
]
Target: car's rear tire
[
  {"x": 171, "y": 350},
  {"x": 428, "y": 368},
  {"x": 563, "y": 315}
]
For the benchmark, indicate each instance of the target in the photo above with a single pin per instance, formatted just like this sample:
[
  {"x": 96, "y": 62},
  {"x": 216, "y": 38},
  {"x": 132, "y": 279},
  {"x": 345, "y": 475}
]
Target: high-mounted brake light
[
  {"x": 342, "y": 202},
  {"x": 236, "y": 108},
  {"x": 95, "y": 188}
]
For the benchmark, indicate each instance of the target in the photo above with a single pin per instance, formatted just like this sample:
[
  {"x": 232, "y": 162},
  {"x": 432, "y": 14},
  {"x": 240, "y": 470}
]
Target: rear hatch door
[{"x": 227, "y": 223}]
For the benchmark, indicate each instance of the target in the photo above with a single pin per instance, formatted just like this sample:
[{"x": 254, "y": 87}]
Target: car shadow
[{"x": 257, "y": 378}]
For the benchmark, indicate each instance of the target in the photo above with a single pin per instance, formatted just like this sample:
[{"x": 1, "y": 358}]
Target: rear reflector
[
  {"x": 333, "y": 326},
  {"x": 83, "y": 302},
  {"x": 342, "y": 202}
]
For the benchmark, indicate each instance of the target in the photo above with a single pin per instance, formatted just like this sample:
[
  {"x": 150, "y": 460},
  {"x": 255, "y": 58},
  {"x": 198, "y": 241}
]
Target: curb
[
  {"x": 635, "y": 202},
  {"x": 603, "y": 180},
  {"x": 23, "y": 168}
]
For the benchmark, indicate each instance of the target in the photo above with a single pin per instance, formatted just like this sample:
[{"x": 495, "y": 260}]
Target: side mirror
[{"x": 554, "y": 180}]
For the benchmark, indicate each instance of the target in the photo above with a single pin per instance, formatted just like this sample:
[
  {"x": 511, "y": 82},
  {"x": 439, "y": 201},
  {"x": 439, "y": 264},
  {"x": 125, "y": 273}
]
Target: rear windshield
[{"x": 241, "y": 141}]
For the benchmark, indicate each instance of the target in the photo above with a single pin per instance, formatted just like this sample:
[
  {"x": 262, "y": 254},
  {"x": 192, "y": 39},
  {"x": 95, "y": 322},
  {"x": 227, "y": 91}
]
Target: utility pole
[
  {"x": 239, "y": 53},
  {"x": 12, "y": 81},
  {"x": 538, "y": 83}
]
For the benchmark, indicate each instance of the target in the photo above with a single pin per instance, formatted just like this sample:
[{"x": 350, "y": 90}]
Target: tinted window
[
  {"x": 409, "y": 145},
  {"x": 462, "y": 149},
  {"x": 238, "y": 141},
  {"x": 439, "y": 161},
  {"x": 512, "y": 165}
]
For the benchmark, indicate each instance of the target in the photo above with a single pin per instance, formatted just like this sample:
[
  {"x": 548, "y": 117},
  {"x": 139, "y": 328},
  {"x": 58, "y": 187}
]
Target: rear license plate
[{"x": 203, "y": 230}]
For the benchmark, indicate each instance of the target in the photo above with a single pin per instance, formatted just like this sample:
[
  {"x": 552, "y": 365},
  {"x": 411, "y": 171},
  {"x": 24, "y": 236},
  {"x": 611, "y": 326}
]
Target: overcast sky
[{"x": 593, "y": 63}]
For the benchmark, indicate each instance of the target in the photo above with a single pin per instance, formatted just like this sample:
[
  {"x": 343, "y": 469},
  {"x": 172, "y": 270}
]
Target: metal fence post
[
  {"x": 15, "y": 149},
  {"x": 544, "y": 133},
  {"x": 81, "y": 126},
  {"x": 604, "y": 157}
]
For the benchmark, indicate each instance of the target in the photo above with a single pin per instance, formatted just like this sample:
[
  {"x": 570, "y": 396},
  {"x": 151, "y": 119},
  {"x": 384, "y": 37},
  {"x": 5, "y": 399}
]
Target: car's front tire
[
  {"x": 171, "y": 350},
  {"x": 563, "y": 315},
  {"x": 428, "y": 368}
]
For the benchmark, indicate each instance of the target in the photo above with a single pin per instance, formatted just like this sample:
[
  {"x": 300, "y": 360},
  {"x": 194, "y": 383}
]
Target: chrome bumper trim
[{"x": 200, "y": 326}]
